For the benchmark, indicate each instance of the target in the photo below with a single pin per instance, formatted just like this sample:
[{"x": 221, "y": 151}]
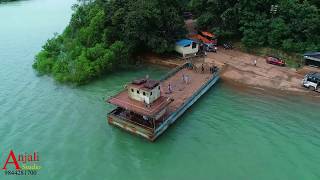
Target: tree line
[
  {"x": 7, "y": 0},
  {"x": 290, "y": 25},
  {"x": 104, "y": 35}
]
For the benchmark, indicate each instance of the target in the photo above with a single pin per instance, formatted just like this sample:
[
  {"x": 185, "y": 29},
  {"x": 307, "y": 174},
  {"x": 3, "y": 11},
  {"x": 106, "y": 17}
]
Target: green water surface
[{"x": 227, "y": 135}]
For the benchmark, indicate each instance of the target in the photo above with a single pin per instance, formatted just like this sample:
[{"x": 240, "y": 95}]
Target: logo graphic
[{"x": 21, "y": 164}]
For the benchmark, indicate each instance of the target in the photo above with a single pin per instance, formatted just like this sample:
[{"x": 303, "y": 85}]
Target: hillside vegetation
[
  {"x": 290, "y": 25},
  {"x": 7, "y": 0},
  {"x": 105, "y": 35}
]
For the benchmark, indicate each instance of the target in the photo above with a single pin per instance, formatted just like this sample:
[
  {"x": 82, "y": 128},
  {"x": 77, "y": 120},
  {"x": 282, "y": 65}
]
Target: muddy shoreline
[
  {"x": 238, "y": 69},
  {"x": 268, "y": 91}
]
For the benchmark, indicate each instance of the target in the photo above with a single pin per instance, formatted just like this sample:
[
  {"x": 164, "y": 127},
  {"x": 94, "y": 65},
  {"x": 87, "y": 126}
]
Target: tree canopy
[
  {"x": 7, "y": 0},
  {"x": 104, "y": 35},
  {"x": 290, "y": 25}
]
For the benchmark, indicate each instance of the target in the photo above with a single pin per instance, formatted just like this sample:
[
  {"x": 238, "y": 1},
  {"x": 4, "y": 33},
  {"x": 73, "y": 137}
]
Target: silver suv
[{"x": 312, "y": 81}]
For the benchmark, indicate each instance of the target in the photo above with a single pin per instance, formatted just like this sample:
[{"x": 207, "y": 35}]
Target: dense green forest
[
  {"x": 290, "y": 25},
  {"x": 104, "y": 35},
  {"x": 6, "y": 0}
]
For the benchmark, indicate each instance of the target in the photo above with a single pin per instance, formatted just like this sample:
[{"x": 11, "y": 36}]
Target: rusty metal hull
[{"x": 130, "y": 126}]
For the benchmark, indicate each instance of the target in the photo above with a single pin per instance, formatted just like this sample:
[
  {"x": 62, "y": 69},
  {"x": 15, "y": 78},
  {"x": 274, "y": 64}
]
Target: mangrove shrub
[{"x": 105, "y": 35}]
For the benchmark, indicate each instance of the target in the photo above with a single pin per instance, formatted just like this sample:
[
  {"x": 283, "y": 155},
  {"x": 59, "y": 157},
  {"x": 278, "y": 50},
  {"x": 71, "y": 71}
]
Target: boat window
[
  {"x": 312, "y": 79},
  {"x": 144, "y": 93},
  {"x": 194, "y": 45},
  {"x": 159, "y": 87},
  {"x": 132, "y": 90},
  {"x": 151, "y": 93},
  {"x": 138, "y": 92}
]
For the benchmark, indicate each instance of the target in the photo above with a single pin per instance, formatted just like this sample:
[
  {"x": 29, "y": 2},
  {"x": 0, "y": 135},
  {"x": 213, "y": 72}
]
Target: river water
[{"x": 228, "y": 134}]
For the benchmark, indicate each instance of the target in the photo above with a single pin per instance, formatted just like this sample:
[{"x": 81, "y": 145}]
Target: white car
[{"x": 311, "y": 81}]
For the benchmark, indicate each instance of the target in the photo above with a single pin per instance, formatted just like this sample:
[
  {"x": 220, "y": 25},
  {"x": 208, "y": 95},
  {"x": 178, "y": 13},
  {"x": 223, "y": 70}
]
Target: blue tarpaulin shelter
[
  {"x": 187, "y": 47},
  {"x": 184, "y": 42}
]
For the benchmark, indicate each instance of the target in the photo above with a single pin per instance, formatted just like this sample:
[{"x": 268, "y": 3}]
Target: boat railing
[
  {"x": 174, "y": 71},
  {"x": 190, "y": 99},
  {"x": 114, "y": 113}
]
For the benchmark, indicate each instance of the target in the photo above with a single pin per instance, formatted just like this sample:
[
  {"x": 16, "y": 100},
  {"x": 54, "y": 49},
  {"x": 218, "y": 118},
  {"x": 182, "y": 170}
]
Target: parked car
[
  {"x": 227, "y": 45},
  {"x": 210, "y": 47},
  {"x": 312, "y": 81},
  {"x": 187, "y": 15},
  {"x": 275, "y": 61}
]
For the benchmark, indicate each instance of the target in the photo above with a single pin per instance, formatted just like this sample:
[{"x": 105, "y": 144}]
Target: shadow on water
[
  {"x": 8, "y": 2},
  {"x": 138, "y": 71}
]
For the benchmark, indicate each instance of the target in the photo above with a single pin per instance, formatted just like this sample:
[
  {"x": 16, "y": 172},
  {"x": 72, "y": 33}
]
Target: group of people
[
  {"x": 186, "y": 78},
  {"x": 212, "y": 69},
  {"x": 202, "y": 69}
]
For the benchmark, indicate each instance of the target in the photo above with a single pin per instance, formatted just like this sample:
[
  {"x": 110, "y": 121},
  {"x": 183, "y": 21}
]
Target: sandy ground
[
  {"x": 240, "y": 68},
  {"x": 308, "y": 69}
]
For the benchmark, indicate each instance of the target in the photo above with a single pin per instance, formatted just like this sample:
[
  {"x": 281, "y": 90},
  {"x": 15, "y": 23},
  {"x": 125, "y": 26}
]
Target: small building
[
  {"x": 187, "y": 47},
  {"x": 144, "y": 90},
  {"x": 312, "y": 58},
  {"x": 141, "y": 104}
]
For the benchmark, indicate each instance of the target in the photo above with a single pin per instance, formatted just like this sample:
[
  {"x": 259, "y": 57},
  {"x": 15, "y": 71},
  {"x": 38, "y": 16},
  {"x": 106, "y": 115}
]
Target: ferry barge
[{"x": 148, "y": 107}]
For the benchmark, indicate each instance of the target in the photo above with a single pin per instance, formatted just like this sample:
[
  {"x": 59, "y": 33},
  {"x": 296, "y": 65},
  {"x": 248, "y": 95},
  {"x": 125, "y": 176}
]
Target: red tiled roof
[
  {"x": 145, "y": 84},
  {"x": 123, "y": 100},
  {"x": 207, "y": 34}
]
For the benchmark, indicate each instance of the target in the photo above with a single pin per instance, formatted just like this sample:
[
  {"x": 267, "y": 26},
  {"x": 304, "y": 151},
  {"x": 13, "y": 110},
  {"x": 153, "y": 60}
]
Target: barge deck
[{"x": 184, "y": 93}]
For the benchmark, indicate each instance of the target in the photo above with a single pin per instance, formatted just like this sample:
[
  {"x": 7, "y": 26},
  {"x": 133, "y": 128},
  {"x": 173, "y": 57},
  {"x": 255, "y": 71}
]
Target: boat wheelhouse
[{"x": 140, "y": 104}]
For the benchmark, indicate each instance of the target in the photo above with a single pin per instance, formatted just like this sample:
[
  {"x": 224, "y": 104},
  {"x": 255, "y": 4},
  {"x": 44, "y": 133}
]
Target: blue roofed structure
[
  {"x": 187, "y": 47},
  {"x": 184, "y": 42}
]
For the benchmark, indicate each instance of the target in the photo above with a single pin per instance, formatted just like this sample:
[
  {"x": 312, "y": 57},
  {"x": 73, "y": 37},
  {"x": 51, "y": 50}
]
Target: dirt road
[{"x": 240, "y": 68}]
